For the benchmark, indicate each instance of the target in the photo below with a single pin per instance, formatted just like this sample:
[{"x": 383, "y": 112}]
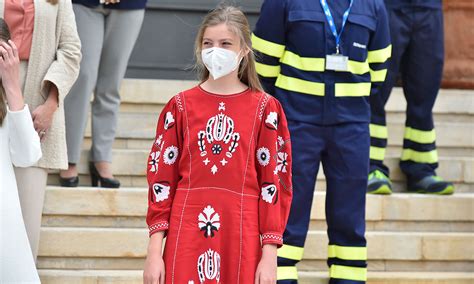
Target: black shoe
[
  {"x": 69, "y": 182},
  {"x": 431, "y": 185},
  {"x": 97, "y": 180}
]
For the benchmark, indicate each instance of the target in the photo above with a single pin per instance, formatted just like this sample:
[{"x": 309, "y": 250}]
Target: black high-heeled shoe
[
  {"x": 97, "y": 180},
  {"x": 69, "y": 182}
]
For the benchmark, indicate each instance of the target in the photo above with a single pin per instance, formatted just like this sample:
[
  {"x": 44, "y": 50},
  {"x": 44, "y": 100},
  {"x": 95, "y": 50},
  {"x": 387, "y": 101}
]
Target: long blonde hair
[
  {"x": 236, "y": 21},
  {"x": 4, "y": 36}
]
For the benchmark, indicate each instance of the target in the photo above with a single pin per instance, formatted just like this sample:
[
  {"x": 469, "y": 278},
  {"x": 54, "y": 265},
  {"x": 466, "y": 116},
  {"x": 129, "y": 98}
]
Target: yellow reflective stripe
[
  {"x": 347, "y": 253},
  {"x": 378, "y": 131},
  {"x": 290, "y": 252},
  {"x": 267, "y": 47},
  {"x": 430, "y": 157},
  {"x": 287, "y": 272},
  {"x": 377, "y": 153},
  {"x": 420, "y": 136},
  {"x": 380, "y": 55},
  {"x": 301, "y": 86},
  {"x": 358, "y": 68},
  {"x": 378, "y": 76},
  {"x": 303, "y": 63},
  {"x": 352, "y": 89},
  {"x": 348, "y": 273},
  {"x": 267, "y": 70}
]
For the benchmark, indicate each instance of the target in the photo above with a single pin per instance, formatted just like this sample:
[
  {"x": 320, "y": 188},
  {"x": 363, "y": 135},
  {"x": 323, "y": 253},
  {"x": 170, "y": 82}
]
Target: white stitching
[
  {"x": 272, "y": 237},
  {"x": 186, "y": 198},
  {"x": 218, "y": 188},
  {"x": 159, "y": 225},
  {"x": 178, "y": 102},
  {"x": 263, "y": 104},
  {"x": 243, "y": 186}
]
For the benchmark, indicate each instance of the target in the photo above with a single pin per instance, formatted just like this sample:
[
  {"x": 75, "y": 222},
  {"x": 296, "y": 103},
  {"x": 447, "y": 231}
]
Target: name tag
[{"x": 337, "y": 62}]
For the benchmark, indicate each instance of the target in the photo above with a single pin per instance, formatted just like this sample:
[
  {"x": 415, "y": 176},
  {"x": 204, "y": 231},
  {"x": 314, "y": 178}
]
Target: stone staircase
[{"x": 94, "y": 235}]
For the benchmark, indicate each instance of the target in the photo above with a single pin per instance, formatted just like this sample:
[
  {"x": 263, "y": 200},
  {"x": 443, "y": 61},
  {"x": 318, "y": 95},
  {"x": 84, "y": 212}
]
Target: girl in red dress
[{"x": 219, "y": 171}]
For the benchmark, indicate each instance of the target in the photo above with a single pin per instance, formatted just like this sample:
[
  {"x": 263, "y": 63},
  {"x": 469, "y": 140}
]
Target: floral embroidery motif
[
  {"x": 159, "y": 141},
  {"x": 220, "y": 134},
  {"x": 170, "y": 155},
  {"x": 282, "y": 162},
  {"x": 216, "y": 149},
  {"x": 169, "y": 120},
  {"x": 269, "y": 191},
  {"x": 272, "y": 120},
  {"x": 209, "y": 266},
  {"x": 161, "y": 191},
  {"x": 154, "y": 159},
  {"x": 209, "y": 221},
  {"x": 263, "y": 156},
  {"x": 281, "y": 142}
]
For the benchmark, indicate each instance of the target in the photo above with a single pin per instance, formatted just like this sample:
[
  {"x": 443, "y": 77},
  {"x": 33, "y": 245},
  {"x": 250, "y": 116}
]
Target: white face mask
[{"x": 220, "y": 61}]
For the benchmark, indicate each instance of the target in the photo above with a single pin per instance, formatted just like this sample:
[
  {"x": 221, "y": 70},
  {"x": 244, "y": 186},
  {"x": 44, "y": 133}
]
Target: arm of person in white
[{"x": 24, "y": 142}]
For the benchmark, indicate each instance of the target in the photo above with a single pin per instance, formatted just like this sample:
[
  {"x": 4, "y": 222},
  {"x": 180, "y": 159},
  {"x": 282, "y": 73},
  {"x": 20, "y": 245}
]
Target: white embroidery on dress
[
  {"x": 154, "y": 159},
  {"x": 269, "y": 192},
  {"x": 209, "y": 266},
  {"x": 170, "y": 155},
  {"x": 281, "y": 142},
  {"x": 272, "y": 120},
  {"x": 169, "y": 120},
  {"x": 263, "y": 156},
  {"x": 161, "y": 191},
  {"x": 282, "y": 162},
  {"x": 218, "y": 133},
  {"x": 209, "y": 221}
]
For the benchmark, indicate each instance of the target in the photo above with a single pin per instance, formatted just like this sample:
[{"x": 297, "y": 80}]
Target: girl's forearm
[
  {"x": 14, "y": 98},
  {"x": 156, "y": 243},
  {"x": 269, "y": 250}
]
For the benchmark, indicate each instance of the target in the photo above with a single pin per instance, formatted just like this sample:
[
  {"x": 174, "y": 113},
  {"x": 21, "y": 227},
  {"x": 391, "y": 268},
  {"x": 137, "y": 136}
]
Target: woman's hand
[
  {"x": 10, "y": 74},
  {"x": 267, "y": 268},
  {"x": 107, "y": 2},
  {"x": 154, "y": 272}
]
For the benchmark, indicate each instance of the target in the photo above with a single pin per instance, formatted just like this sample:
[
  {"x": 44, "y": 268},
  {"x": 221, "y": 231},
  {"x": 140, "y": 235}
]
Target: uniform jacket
[{"x": 292, "y": 39}]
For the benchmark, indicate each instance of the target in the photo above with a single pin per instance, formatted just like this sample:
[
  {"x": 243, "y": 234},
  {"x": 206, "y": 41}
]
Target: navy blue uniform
[
  {"x": 418, "y": 54},
  {"x": 328, "y": 115}
]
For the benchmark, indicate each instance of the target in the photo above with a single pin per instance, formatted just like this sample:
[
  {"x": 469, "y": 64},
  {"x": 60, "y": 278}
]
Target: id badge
[{"x": 337, "y": 62}]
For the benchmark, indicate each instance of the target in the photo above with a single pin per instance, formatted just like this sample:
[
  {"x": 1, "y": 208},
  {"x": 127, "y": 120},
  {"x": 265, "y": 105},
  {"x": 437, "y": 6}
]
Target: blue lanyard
[{"x": 331, "y": 22}]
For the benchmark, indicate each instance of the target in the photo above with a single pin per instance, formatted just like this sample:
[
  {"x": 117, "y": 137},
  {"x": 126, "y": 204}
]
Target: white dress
[{"x": 19, "y": 146}]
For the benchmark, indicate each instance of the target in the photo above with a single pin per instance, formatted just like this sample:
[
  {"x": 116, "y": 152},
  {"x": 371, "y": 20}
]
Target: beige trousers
[{"x": 31, "y": 189}]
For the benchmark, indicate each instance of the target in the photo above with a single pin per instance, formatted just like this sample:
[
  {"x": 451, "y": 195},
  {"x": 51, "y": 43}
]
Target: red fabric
[
  {"x": 20, "y": 18},
  {"x": 212, "y": 172}
]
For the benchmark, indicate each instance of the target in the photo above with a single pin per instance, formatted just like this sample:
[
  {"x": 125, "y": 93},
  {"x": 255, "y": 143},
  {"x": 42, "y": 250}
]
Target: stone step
[
  {"x": 137, "y": 263},
  {"x": 131, "y": 202},
  {"x": 132, "y": 162},
  {"x": 143, "y": 91},
  {"x": 136, "y": 277},
  {"x": 132, "y": 243},
  {"x": 457, "y": 134}
]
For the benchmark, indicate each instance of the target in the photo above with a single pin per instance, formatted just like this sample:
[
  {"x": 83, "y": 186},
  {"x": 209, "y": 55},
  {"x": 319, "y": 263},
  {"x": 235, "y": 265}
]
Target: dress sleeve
[
  {"x": 24, "y": 142},
  {"x": 274, "y": 173},
  {"x": 163, "y": 168}
]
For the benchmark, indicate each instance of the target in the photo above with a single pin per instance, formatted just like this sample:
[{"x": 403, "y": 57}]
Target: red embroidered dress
[{"x": 219, "y": 176}]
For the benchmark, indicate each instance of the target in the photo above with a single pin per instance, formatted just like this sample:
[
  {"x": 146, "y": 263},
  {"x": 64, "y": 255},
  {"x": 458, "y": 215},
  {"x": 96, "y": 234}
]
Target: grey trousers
[{"x": 108, "y": 37}]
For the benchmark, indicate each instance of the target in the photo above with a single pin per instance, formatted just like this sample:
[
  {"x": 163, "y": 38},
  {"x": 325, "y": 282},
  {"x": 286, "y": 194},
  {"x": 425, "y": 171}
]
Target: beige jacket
[{"x": 55, "y": 56}]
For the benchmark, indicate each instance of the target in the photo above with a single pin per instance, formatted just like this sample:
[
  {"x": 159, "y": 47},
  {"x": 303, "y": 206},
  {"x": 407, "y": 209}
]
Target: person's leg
[
  {"x": 122, "y": 28},
  {"x": 31, "y": 189},
  {"x": 400, "y": 35},
  {"x": 421, "y": 75},
  {"x": 346, "y": 165},
  {"x": 307, "y": 143},
  {"x": 90, "y": 23}
]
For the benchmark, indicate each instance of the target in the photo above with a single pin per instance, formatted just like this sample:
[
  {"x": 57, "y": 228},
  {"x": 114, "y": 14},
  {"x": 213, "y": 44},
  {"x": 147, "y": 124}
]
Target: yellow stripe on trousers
[
  {"x": 420, "y": 136},
  {"x": 348, "y": 272},
  {"x": 291, "y": 252},
  {"x": 377, "y": 153},
  {"x": 287, "y": 273},
  {"x": 430, "y": 157},
  {"x": 347, "y": 253}
]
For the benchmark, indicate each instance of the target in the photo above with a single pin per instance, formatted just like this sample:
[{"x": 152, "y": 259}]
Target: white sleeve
[{"x": 24, "y": 142}]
